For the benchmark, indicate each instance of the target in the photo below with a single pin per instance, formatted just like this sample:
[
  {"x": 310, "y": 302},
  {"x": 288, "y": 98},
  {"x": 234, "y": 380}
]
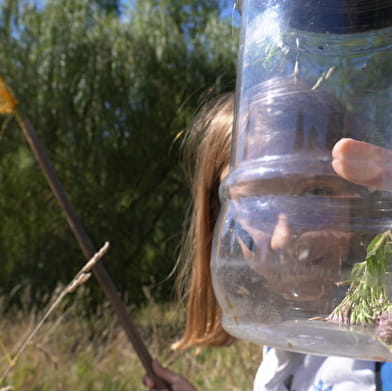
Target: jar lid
[{"x": 339, "y": 16}]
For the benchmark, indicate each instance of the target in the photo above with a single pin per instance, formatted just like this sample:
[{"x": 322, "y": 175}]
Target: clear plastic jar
[{"x": 291, "y": 231}]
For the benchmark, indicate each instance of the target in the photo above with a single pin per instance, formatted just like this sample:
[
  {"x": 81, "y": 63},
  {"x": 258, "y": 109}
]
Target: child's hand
[
  {"x": 363, "y": 163},
  {"x": 176, "y": 381}
]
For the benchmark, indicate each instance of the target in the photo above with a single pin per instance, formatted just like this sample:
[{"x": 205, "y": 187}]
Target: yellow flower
[{"x": 7, "y": 100}]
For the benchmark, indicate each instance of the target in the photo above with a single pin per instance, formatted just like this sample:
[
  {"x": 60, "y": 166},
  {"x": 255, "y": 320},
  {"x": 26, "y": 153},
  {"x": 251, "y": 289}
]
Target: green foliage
[
  {"x": 107, "y": 94},
  {"x": 367, "y": 300}
]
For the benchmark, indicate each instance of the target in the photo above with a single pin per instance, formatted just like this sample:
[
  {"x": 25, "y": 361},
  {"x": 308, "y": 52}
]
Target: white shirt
[{"x": 287, "y": 371}]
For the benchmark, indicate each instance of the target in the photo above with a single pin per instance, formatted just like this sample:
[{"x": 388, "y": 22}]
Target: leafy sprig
[{"x": 367, "y": 300}]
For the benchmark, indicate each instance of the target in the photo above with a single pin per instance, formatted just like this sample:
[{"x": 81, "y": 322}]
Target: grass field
[{"x": 75, "y": 352}]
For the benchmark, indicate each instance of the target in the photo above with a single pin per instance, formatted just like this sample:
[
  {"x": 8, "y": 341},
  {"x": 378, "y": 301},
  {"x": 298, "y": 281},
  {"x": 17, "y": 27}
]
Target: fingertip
[
  {"x": 363, "y": 163},
  {"x": 155, "y": 361},
  {"x": 164, "y": 373},
  {"x": 342, "y": 145},
  {"x": 156, "y": 365}
]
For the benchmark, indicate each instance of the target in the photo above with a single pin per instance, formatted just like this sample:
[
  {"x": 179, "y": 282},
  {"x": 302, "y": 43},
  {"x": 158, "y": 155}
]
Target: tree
[{"x": 108, "y": 93}]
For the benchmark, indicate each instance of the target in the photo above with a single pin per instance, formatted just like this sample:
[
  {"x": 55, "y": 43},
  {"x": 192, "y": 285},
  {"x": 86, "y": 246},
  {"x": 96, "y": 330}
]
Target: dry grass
[
  {"x": 81, "y": 277},
  {"x": 79, "y": 353}
]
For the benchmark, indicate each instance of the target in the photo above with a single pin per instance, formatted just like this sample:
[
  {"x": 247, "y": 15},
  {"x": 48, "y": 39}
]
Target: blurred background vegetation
[{"x": 108, "y": 87}]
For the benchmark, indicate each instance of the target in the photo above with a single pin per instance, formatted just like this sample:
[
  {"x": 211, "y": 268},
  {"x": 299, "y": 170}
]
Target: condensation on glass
[{"x": 290, "y": 229}]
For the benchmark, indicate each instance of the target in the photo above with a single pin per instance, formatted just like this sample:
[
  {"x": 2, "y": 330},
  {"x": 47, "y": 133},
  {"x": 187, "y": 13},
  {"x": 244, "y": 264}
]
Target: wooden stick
[{"x": 88, "y": 249}]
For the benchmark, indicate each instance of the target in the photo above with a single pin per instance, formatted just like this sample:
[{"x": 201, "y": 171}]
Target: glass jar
[{"x": 293, "y": 238}]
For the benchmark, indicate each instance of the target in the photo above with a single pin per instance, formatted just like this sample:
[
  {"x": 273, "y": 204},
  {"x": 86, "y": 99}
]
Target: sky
[{"x": 228, "y": 11}]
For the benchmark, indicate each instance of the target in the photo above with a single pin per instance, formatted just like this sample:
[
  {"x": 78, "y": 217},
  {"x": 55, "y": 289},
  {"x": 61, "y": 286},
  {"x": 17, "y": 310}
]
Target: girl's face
[{"x": 295, "y": 232}]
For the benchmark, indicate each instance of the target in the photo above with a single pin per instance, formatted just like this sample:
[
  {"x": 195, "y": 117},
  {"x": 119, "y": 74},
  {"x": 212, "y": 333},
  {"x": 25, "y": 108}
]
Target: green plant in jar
[{"x": 367, "y": 301}]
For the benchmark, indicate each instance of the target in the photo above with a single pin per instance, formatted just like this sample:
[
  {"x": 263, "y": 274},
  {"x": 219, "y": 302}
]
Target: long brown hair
[{"x": 207, "y": 153}]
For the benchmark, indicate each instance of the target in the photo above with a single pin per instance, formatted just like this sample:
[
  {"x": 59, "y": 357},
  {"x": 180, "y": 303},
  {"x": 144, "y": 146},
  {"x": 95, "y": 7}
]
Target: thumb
[{"x": 363, "y": 163}]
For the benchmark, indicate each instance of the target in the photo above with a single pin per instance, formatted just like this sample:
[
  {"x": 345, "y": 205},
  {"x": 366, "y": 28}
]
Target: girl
[{"x": 208, "y": 148}]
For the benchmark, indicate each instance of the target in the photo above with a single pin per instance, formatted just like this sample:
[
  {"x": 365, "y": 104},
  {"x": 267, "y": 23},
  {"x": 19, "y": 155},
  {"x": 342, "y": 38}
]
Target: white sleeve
[
  {"x": 277, "y": 370},
  {"x": 288, "y": 371}
]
